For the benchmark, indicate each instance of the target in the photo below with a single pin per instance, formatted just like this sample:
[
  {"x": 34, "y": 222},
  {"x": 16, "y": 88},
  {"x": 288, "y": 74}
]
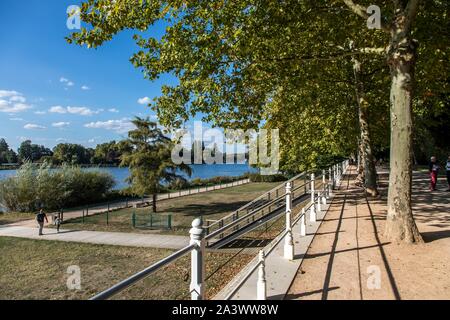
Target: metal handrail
[
  {"x": 281, "y": 186},
  {"x": 257, "y": 210},
  {"x": 197, "y": 247},
  {"x": 273, "y": 245},
  {"x": 142, "y": 274}
]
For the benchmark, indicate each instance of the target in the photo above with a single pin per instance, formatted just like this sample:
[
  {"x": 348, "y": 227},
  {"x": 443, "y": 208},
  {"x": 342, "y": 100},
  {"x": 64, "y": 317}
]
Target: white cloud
[
  {"x": 57, "y": 109},
  {"x": 18, "y": 99},
  {"x": 40, "y": 112},
  {"x": 60, "y": 124},
  {"x": 13, "y": 102},
  {"x": 120, "y": 126},
  {"x": 66, "y": 82},
  {"x": 16, "y": 119},
  {"x": 91, "y": 140},
  {"x": 85, "y": 88},
  {"x": 31, "y": 126},
  {"x": 7, "y": 94},
  {"x": 61, "y": 140},
  {"x": 145, "y": 100},
  {"x": 82, "y": 111},
  {"x": 113, "y": 110}
]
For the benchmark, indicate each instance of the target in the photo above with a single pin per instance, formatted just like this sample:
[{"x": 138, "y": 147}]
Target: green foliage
[
  {"x": 33, "y": 188},
  {"x": 255, "y": 177},
  {"x": 149, "y": 159},
  {"x": 7, "y": 155},
  {"x": 242, "y": 63},
  {"x": 69, "y": 153},
  {"x": 32, "y": 152}
]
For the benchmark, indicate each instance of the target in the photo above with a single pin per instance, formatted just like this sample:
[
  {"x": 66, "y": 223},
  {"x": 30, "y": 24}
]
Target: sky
[{"x": 52, "y": 92}]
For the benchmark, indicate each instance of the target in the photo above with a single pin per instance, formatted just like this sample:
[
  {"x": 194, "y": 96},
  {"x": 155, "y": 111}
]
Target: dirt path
[{"x": 349, "y": 251}]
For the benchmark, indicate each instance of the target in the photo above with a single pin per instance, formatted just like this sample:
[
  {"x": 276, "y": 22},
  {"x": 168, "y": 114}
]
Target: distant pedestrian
[
  {"x": 40, "y": 217},
  {"x": 447, "y": 169},
  {"x": 434, "y": 170},
  {"x": 57, "y": 221}
]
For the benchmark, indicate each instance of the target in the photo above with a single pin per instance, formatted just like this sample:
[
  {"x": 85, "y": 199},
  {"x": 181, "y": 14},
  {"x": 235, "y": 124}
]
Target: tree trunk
[
  {"x": 400, "y": 225},
  {"x": 368, "y": 173},
  {"x": 360, "y": 177},
  {"x": 154, "y": 202}
]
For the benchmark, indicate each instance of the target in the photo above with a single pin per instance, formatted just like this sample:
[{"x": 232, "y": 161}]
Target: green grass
[
  {"x": 37, "y": 269},
  {"x": 13, "y": 217},
  {"x": 211, "y": 205}
]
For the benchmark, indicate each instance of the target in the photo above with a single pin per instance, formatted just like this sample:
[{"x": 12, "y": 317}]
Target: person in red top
[{"x": 434, "y": 170}]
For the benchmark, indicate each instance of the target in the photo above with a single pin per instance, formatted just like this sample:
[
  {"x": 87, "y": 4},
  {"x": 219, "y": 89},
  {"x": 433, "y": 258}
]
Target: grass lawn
[
  {"x": 12, "y": 217},
  {"x": 37, "y": 269},
  {"x": 211, "y": 205}
]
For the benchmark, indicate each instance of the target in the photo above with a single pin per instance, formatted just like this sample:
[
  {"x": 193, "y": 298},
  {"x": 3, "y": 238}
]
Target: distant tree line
[
  {"x": 106, "y": 154},
  {"x": 64, "y": 153}
]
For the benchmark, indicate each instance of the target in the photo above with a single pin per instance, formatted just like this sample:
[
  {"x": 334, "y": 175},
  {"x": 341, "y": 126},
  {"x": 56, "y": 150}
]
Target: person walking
[
  {"x": 57, "y": 221},
  {"x": 434, "y": 170},
  {"x": 447, "y": 169},
  {"x": 40, "y": 217}
]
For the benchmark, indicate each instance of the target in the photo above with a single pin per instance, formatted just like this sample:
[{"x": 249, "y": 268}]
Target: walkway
[
  {"x": 349, "y": 253},
  {"x": 96, "y": 237}
]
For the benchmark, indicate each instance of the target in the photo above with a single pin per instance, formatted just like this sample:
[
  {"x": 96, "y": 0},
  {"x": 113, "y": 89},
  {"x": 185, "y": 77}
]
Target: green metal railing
[{"x": 151, "y": 221}]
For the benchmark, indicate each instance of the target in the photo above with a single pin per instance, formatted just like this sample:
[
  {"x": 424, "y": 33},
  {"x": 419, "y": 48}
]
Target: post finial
[{"x": 197, "y": 230}]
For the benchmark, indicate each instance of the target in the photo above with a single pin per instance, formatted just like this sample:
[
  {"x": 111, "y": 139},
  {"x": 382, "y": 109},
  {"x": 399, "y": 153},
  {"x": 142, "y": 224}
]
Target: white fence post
[
  {"x": 303, "y": 224},
  {"x": 324, "y": 177},
  {"x": 197, "y": 287},
  {"x": 319, "y": 206},
  {"x": 330, "y": 182},
  {"x": 312, "y": 211},
  {"x": 289, "y": 240},
  {"x": 288, "y": 196},
  {"x": 261, "y": 286}
]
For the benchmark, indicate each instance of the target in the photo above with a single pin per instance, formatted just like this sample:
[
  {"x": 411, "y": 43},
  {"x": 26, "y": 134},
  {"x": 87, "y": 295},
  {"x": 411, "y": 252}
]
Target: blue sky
[{"x": 52, "y": 92}]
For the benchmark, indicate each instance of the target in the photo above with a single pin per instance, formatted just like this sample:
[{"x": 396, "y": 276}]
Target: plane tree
[{"x": 232, "y": 58}]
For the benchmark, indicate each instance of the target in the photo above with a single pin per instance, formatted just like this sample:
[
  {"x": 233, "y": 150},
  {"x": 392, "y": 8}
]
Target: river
[{"x": 198, "y": 171}]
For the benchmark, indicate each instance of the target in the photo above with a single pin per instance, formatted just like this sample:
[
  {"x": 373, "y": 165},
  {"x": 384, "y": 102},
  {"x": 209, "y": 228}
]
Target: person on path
[
  {"x": 434, "y": 170},
  {"x": 447, "y": 169},
  {"x": 40, "y": 217},
  {"x": 57, "y": 221}
]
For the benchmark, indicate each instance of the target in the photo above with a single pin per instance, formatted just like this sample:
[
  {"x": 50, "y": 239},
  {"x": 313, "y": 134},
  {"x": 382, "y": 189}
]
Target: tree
[
  {"x": 68, "y": 153},
  {"x": 149, "y": 160},
  {"x": 232, "y": 58},
  {"x": 32, "y": 152},
  {"x": 4, "y": 148},
  {"x": 107, "y": 153}
]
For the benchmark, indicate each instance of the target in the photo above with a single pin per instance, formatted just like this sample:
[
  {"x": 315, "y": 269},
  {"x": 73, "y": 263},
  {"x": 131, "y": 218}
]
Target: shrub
[
  {"x": 53, "y": 189},
  {"x": 256, "y": 177}
]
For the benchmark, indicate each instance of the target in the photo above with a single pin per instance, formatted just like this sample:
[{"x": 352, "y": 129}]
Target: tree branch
[{"x": 411, "y": 12}]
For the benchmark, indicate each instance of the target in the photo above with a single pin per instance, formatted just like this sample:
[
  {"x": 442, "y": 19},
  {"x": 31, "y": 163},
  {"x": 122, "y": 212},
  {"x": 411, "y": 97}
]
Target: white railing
[
  {"x": 191, "y": 191},
  {"x": 197, "y": 246},
  {"x": 318, "y": 198}
]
